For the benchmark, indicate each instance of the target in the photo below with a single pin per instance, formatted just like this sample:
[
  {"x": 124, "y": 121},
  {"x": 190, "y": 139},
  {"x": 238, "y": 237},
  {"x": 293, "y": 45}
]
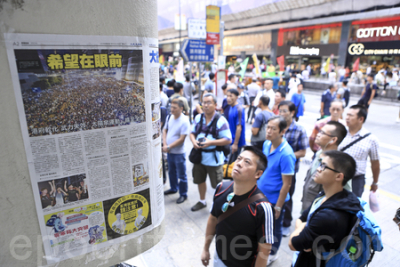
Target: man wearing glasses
[
  {"x": 211, "y": 158},
  {"x": 245, "y": 236},
  {"x": 328, "y": 138},
  {"x": 297, "y": 138},
  {"x": 336, "y": 111},
  {"x": 325, "y": 224}
]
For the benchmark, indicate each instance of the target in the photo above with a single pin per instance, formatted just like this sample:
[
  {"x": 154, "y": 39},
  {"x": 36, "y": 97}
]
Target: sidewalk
[{"x": 184, "y": 236}]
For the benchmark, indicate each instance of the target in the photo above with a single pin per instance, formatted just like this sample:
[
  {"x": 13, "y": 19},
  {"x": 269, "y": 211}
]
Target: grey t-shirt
[{"x": 176, "y": 128}]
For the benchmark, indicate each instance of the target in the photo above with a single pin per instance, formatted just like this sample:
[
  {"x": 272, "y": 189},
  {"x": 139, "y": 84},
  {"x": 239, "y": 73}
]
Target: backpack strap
[
  {"x": 239, "y": 206},
  {"x": 355, "y": 141}
]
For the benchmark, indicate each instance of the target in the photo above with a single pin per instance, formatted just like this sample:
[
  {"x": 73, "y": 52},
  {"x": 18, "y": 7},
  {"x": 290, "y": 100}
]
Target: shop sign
[
  {"x": 213, "y": 16},
  {"x": 378, "y": 32},
  {"x": 375, "y": 30},
  {"x": 295, "y": 50},
  {"x": 358, "y": 49}
]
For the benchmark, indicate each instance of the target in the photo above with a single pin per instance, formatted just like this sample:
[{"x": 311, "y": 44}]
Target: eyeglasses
[
  {"x": 322, "y": 167},
  {"x": 226, "y": 204},
  {"x": 324, "y": 133}
]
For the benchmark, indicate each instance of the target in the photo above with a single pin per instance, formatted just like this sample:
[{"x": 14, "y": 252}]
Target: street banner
[
  {"x": 356, "y": 65},
  {"x": 243, "y": 67},
  {"x": 88, "y": 111},
  {"x": 281, "y": 62},
  {"x": 213, "y": 17},
  {"x": 256, "y": 66}
]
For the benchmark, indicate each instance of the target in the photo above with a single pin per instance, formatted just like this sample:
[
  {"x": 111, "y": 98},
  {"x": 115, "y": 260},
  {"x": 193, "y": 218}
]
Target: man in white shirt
[
  {"x": 163, "y": 97},
  {"x": 253, "y": 90},
  {"x": 175, "y": 131},
  {"x": 268, "y": 91}
]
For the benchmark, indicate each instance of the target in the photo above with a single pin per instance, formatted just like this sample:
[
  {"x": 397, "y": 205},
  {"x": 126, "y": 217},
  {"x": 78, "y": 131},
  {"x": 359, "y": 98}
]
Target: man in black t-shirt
[
  {"x": 245, "y": 237},
  {"x": 73, "y": 194},
  {"x": 369, "y": 92}
]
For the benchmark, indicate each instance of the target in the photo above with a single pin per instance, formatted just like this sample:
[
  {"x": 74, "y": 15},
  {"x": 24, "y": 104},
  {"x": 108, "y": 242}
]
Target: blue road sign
[{"x": 197, "y": 50}]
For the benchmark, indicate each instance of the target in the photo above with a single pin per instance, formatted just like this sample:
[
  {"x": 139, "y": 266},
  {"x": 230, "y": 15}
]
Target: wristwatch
[
  {"x": 278, "y": 209},
  {"x": 168, "y": 148},
  {"x": 374, "y": 183}
]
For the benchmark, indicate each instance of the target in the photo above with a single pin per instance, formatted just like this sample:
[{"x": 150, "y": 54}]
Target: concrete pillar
[
  {"x": 274, "y": 46},
  {"x": 344, "y": 38},
  {"x": 21, "y": 242}
]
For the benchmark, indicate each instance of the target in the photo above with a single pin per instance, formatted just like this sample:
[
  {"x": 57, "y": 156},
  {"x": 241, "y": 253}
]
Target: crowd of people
[
  {"x": 83, "y": 103},
  {"x": 256, "y": 203}
]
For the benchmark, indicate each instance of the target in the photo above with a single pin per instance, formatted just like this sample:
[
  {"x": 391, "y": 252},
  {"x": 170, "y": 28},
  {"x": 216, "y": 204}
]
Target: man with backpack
[
  {"x": 258, "y": 130},
  {"x": 211, "y": 135},
  {"x": 240, "y": 210},
  {"x": 321, "y": 228}
]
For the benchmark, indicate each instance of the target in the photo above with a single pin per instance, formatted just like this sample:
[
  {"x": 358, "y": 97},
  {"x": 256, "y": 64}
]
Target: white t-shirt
[
  {"x": 163, "y": 99},
  {"x": 175, "y": 128},
  {"x": 293, "y": 82},
  {"x": 332, "y": 77}
]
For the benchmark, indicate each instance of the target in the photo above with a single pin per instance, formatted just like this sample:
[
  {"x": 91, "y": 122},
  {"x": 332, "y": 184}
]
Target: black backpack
[{"x": 213, "y": 131}]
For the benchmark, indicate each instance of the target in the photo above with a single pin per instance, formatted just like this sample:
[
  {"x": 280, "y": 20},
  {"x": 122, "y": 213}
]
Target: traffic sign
[
  {"x": 197, "y": 50},
  {"x": 197, "y": 28}
]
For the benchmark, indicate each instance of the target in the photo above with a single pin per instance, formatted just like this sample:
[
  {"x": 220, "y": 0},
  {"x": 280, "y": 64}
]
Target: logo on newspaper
[{"x": 128, "y": 214}]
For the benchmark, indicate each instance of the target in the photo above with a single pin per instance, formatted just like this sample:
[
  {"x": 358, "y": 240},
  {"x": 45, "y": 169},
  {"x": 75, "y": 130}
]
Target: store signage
[
  {"x": 295, "y": 50},
  {"x": 213, "y": 16},
  {"x": 378, "y": 32},
  {"x": 358, "y": 49},
  {"x": 197, "y": 28}
]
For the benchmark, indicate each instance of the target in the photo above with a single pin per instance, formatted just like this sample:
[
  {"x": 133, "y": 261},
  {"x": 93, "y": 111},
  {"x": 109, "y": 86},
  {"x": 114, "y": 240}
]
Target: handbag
[
  {"x": 227, "y": 169},
  {"x": 195, "y": 156}
]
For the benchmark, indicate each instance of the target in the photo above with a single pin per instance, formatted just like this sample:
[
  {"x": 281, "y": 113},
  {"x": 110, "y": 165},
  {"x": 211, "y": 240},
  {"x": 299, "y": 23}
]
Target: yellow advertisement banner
[{"x": 213, "y": 16}]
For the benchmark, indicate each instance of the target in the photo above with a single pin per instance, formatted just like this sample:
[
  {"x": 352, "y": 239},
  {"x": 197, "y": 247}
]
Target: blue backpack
[{"x": 359, "y": 247}]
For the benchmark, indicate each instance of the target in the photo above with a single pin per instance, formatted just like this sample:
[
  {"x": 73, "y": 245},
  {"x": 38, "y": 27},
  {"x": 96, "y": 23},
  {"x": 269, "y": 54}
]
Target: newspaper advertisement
[{"x": 90, "y": 122}]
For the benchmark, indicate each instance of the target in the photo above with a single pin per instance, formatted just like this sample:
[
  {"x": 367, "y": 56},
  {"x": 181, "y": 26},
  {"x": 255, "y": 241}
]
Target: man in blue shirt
[
  {"x": 327, "y": 97},
  {"x": 237, "y": 123},
  {"x": 276, "y": 81},
  {"x": 298, "y": 100},
  {"x": 276, "y": 179}
]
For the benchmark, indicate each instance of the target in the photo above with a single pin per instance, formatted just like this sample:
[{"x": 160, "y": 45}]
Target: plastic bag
[{"x": 373, "y": 201}]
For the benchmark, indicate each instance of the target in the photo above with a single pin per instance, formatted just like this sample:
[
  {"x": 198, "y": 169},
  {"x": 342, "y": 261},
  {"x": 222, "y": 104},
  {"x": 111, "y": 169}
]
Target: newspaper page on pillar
[{"x": 90, "y": 119}]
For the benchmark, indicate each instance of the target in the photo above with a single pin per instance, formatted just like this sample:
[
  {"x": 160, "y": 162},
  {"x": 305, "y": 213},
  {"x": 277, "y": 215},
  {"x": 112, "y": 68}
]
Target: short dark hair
[
  {"x": 331, "y": 86},
  {"x": 362, "y": 111},
  {"x": 340, "y": 131},
  {"x": 187, "y": 77},
  {"x": 161, "y": 86},
  {"x": 178, "y": 87},
  {"x": 299, "y": 84},
  {"x": 171, "y": 83},
  {"x": 231, "y": 76},
  {"x": 345, "y": 82},
  {"x": 162, "y": 79},
  {"x": 211, "y": 75},
  {"x": 177, "y": 101},
  {"x": 370, "y": 75},
  {"x": 268, "y": 79},
  {"x": 212, "y": 95},
  {"x": 234, "y": 91},
  {"x": 224, "y": 86},
  {"x": 282, "y": 93},
  {"x": 264, "y": 100},
  {"x": 290, "y": 104},
  {"x": 262, "y": 162},
  {"x": 343, "y": 163},
  {"x": 282, "y": 122}
]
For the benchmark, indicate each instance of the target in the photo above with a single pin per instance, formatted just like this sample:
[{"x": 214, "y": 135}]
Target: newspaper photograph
[{"x": 88, "y": 125}]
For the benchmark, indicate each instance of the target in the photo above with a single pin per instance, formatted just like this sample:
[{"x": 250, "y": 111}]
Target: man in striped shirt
[{"x": 245, "y": 237}]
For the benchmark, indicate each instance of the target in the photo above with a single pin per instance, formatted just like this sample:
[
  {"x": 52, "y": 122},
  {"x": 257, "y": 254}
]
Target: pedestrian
[
  {"x": 165, "y": 87},
  {"x": 250, "y": 221},
  {"x": 396, "y": 218},
  {"x": 327, "y": 97},
  {"x": 342, "y": 73},
  {"x": 163, "y": 97},
  {"x": 231, "y": 79},
  {"x": 209, "y": 86},
  {"x": 368, "y": 92},
  {"x": 293, "y": 82},
  {"x": 175, "y": 131},
  {"x": 253, "y": 90},
  {"x": 188, "y": 88},
  {"x": 329, "y": 215},
  {"x": 332, "y": 76},
  {"x": 211, "y": 158},
  {"x": 298, "y": 100},
  {"x": 328, "y": 138},
  {"x": 275, "y": 81},
  {"x": 268, "y": 91},
  {"x": 344, "y": 93},
  {"x": 296, "y": 137},
  {"x": 237, "y": 124},
  {"x": 243, "y": 99},
  {"x": 225, "y": 107},
  {"x": 276, "y": 179},
  {"x": 258, "y": 130},
  {"x": 361, "y": 143},
  {"x": 336, "y": 111},
  {"x": 279, "y": 97},
  {"x": 170, "y": 87},
  {"x": 178, "y": 89}
]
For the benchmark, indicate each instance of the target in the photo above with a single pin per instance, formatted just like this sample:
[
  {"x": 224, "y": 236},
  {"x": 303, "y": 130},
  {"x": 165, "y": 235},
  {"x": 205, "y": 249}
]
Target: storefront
[
  {"x": 376, "y": 42},
  {"x": 310, "y": 45}
]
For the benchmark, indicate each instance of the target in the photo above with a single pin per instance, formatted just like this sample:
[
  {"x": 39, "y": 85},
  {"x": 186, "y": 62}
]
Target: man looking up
[
  {"x": 336, "y": 111},
  {"x": 236, "y": 122},
  {"x": 328, "y": 138},
  {"x": 276, "y": 179},
  {"x": 367, "y": 146},
  {"x": 329, "y": 216},
  {"x": 252, "y": 222},
  {"x": 297, "y": 138},
  {"x": 175, "y": 131},
  {"x": 211, "y": 159}
]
